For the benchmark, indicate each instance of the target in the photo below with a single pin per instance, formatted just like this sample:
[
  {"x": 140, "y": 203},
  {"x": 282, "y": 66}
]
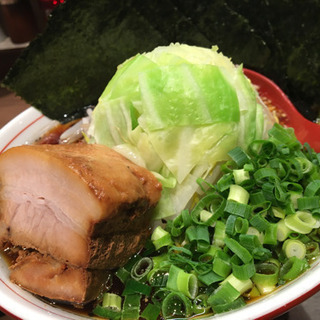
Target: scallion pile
[{"x": 254, "y": 230}]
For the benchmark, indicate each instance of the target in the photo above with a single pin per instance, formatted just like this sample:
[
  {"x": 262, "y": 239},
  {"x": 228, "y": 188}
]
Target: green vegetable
[
  {"x": 166, "y": 111},
  {"x": 183, "y": 282},
  {"x": 131, "y": 307},
  {"x": 160, "y": 238},
  {"x": 141, "y": 268},
  {"x": 266, "y": 276},
  {"x": 151, "y": 312},
  {"x": 215, "y": 255},
  {"x": 110, "y": 308},
  {"x": 176, "y": 305}
]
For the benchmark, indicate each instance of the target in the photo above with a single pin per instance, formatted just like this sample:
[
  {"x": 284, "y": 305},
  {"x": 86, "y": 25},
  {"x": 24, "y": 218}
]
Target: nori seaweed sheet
[{"x": 67, "y": 67}]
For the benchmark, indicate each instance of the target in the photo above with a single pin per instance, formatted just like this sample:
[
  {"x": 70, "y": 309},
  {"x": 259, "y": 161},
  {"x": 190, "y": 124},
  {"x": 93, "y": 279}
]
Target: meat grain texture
[{"x": 79, "y": 209}]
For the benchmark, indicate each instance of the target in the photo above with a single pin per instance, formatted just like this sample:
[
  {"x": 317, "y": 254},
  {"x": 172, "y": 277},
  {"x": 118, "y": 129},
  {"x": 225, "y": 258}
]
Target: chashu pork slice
[
  {"x": 49, "y": 278},
  {"x": 85, "y": 205}
]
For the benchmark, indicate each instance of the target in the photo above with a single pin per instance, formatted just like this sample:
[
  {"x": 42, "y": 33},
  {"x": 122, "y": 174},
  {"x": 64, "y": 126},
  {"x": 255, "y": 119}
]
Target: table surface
[{"x": 11, "y": 106}]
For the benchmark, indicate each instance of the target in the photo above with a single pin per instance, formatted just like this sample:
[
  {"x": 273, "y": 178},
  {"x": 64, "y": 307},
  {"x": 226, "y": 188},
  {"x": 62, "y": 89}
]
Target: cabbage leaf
[{"x": 177, "y": 111}]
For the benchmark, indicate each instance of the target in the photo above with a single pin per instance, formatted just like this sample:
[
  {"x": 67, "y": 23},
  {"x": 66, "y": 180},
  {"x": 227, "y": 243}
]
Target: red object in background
[{"x": 50, "y": 4}]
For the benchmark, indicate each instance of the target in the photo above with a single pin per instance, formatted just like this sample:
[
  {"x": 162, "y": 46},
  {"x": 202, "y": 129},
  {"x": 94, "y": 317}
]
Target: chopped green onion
[
  {"x": 296, "y": 172},
  {"x": 141, "y": 269},
  {"x": 110, "y": 308},
  {"x": 160, "y": 261},
  {"x": 256, "y": 232},
  {"x": 231, "y": 225},
  {"x": 210, "y": 278},
  {"x": 283, "y": 136},
  {"x": 262, "y": 208},
  {"x": 221, "y": 267},
  {"x": 179, "y": 224},
  {"x": 167, "y": 182},
  {"x": 240, "y": 175},
  {"x": 248, "y": 167},
  {"x": 112, "y": 301},
  {"x": 225, "y": 182},
  {"x": 280, "y": 194},
  {"x": 312, "y": 249},
  {"x": 270, "y": 236},
  {"x": 200, "y": 235},
  {"x": 219, "y": 233},
  {"x": 238, "y": 249},
  {"x": 283, "y": 231},
  {"x": 158, "y": 278},
  {"x": 225, "y": 293},
  {"x": 205, "y": 215},
  {"x": 265, "y": 175},
  {"x": 261, "y": 253},
  {"x": 262, "y": 149},
  {"x": 259, "y": 222},
  {"x": 210, "y": 254},
  {"x": 257, "y": 198},
  {"x": 294, "y": 248},
  {"x": 216, "y": 204},
  {"x": 312, "y": 189},
  {"x": 281, "y": 167},
  {"x": 305, "y": 164},
  {"x": 128, "y": 266},
  {"x": 244, "y": 271},
  {"x": 200, "y": 305},
  {"x": 180, "y": 250},
  {"x": 161, "y": 238},
  {"x": 266, "y": 277},
  {"x": 239, "y": 156},
  {"x": 253, "y": 293},
  {"x": 123, "y": 274},
  {"x": 233, "y": 305},
  {"x": 159, "y": 296},
  {"x": 238, "y": 209},
  {"x": 301, "y": 221},
  {"x": 133, "y": 287},
  {"x": 308, "y": 203},
  {"x": 238, "y": 194},
  {"x": 176, "y": 305},
  {"x": 228, "y": 167},
  {"x": 292, "y": 268},
  {"x": 278, "y": 212},
  {"x": 250, "y": 241},
  {"x": 236, "y": 224},
  {"x": 131, "y": 307},
  {"x": 151, "y": 312},
  {"x": 242, "y": 225},
  {"x": 240, "y": 285},
  {"x": 183, "y": 282},
  {"x": 106, "y": 313},
  {"x": 294, "y": 196},
  {"x": 292, "y": 186}
]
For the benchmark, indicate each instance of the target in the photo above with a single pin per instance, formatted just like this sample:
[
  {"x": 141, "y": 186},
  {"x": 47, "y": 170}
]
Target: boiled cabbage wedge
[{"x": 177, "y": 111}]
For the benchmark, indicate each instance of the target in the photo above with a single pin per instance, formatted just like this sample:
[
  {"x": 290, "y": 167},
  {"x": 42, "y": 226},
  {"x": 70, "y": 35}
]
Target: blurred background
[{"x": 20, "y": 22}]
